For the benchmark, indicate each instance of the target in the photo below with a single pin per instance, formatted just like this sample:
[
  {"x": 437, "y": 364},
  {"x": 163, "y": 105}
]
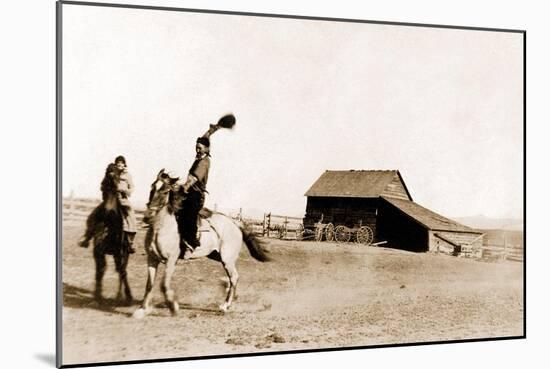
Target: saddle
[{"x": 203, "y": 224}]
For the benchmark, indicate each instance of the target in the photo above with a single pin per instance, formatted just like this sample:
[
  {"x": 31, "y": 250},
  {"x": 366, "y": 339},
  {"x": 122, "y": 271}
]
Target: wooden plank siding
[
  {"x": 341, "y": 211},
  {"x": 457, "y": 243},
  {"x": 396, "y": 189}
]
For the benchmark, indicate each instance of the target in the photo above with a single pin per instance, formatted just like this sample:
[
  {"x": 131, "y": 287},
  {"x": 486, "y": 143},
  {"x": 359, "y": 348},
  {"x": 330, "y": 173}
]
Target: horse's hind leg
[
  {"x": 146, "y": 307},
  {"x": 121, "y": 262},
  {"x": 233, "y": 276},
  {"x": 169, "y": 294},
  {"x": 100, "y": 266}
]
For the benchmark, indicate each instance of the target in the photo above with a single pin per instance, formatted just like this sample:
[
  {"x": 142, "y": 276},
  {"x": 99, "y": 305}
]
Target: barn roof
[
  {"x": 428, "y": 218},
  {"x": 354, "y": 183}
]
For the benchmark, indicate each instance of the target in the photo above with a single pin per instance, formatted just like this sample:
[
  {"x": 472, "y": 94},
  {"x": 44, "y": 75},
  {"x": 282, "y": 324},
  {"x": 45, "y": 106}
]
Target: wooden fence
[
  {"x": 502, "y": 252},
  {"x": 77, "y": 210},
  {"x": 503, "y": 245},
  {"x": 277, "y": 226},
  {"x": 282, "y": 226}
]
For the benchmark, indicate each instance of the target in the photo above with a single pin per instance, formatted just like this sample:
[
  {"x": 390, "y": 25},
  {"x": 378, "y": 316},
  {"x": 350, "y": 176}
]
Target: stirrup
[{"x": 185, "y": 249}]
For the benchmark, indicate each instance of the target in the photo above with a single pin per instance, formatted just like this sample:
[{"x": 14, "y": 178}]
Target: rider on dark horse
[
  {"x": 194, "y": 189},
  {"x": 117, "y": 181}
]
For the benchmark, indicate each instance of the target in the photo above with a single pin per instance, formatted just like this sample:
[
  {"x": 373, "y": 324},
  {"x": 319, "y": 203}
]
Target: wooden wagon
[
  {"x": 360, "y": 234},
  {"x": 340, "y": 233}
]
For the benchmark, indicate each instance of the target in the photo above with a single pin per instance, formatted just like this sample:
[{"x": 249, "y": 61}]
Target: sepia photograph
[{"x": 238, "y": 184}]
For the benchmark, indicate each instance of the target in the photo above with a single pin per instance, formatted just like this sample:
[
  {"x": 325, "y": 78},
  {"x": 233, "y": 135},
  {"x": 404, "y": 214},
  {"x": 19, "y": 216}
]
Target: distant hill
[{"x": 483, "y": 222}]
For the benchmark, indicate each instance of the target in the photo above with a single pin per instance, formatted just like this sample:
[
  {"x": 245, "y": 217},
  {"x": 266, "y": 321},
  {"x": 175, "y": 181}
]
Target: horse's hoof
[
  {"x": 174, "y": 308},
  {"x": 95, "y": 304},
  {"x": 224, "y": 307},
  {"x": 139, "y": 314}
]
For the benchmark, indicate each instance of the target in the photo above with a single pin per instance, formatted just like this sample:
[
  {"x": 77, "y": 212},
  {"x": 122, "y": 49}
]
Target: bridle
[{"x": 153, "y": 210}]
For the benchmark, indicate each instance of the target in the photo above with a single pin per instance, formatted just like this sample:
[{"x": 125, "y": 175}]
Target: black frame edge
[
  {"x": 288, "y": 16},
  {"x": 58, "y": 186},
  {"x": 525, "y": 184},
  {"x": 291, "y": 352}
]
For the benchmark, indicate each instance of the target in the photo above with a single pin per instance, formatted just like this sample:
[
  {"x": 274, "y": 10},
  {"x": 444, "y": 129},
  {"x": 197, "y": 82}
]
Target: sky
[{"x": 442, "y": 106}]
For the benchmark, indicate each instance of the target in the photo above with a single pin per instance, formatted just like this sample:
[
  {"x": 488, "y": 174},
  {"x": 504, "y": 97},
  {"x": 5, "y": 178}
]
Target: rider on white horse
[{"x": 194, "y": 189}]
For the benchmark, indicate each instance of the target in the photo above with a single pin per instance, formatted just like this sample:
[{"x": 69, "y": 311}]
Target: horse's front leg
[
  {"x": 169, "y": 293},
  {"x": 146, "y": 307},
  {"x": 121, "y": 262},
  {"x": 100, "y": 267}
]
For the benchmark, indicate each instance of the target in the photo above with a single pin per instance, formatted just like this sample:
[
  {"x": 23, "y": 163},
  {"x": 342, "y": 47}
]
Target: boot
[
  {"x": 84, "y": 242},
  {"x": 185, "y": 247}
]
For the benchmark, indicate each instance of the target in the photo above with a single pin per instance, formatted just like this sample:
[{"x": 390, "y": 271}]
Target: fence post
[
  {"x": 71, "y": 202},
  {"x": 268, "y": 223}
]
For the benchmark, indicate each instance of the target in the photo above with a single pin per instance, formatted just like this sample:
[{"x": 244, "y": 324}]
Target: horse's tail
[{"x": 254, "y": 244}]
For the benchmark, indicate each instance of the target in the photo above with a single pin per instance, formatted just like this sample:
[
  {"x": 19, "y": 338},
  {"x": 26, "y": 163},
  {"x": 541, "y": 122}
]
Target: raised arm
[{"x": 213, "y": 128}]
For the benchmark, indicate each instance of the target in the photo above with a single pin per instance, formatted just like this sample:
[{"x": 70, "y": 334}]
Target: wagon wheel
[
  {"x": 365, "y": 235},
  {"x": 329, "y": 232},
  {"x": 342, "y": 234},
  {"x": 300, "y": 233},
  {"x": 319, "y": 232}
]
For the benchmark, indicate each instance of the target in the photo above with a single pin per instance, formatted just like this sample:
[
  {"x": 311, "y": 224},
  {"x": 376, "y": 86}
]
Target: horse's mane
[
  {"x": 175, "y": 199},
  {"x": 109, "y": 188},
  {"x": 172, "y": 203},
  {"x": 110, "y": 181}
]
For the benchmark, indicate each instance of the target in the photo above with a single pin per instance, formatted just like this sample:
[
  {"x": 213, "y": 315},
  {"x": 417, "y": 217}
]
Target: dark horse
[{"x": 109, "y": 238}]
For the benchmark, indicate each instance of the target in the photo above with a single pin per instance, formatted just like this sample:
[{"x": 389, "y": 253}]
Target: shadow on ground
[{"x": 80, "y": 298}]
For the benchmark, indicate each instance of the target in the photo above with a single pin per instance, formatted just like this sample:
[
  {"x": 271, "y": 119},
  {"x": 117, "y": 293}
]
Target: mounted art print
[{"x": 241, "y": 184}]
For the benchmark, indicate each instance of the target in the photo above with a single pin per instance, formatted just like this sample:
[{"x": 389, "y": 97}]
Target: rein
[{"x": 155, "y": 210}]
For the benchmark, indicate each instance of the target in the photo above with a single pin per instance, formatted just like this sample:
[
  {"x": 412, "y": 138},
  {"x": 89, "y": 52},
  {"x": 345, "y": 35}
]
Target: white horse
[{"x": 222, "y": 242}]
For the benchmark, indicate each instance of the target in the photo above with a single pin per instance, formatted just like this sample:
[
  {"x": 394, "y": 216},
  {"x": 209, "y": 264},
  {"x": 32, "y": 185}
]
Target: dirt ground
[{"x": 312, "y": 295}]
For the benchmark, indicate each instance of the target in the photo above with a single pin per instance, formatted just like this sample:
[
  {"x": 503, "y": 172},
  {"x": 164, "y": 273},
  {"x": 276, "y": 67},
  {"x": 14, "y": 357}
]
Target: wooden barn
[{"x": 380, "y": 200}]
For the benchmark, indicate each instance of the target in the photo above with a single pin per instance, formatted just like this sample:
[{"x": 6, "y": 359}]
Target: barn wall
[
  {"x": 467, "y": 242},
  {"x": 315, "y": 207},
  {"x": 396, "y": 189},
  {"x": 341, "y": 211},
  {"x": 400, "y": 230}
]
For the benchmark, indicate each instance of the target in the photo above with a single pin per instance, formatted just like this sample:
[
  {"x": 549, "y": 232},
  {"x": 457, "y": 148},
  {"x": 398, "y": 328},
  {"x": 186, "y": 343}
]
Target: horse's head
[
  {"x": 161, "y": 195},
  {"x": 109, "y": 186}
]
